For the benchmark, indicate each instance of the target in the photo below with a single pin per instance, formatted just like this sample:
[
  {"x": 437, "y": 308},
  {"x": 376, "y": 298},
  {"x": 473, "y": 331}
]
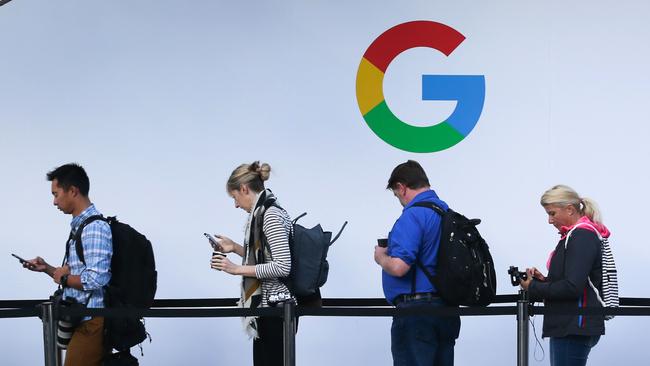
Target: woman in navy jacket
[{"x": 574, "y": 276}]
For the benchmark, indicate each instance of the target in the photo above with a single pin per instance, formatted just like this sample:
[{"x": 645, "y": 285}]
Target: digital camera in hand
[{"x": 516, "y": 276}]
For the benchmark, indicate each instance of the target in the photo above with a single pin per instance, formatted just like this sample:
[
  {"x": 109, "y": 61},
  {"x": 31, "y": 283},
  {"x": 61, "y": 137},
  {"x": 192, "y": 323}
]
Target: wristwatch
[{"x": 64, "y": 281}]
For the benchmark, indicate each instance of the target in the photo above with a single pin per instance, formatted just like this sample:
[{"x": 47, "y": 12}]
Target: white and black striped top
[{"x": 277, "y": 229}]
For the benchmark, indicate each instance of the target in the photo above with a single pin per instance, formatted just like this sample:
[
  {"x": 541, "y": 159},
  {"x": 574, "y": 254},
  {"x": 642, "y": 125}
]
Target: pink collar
[{"x": 590, "y": 225}]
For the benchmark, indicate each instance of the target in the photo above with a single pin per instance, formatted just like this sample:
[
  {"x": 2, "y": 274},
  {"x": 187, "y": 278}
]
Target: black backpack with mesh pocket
[
  {"x": 133, "y": 281},
  {"x": 465, "y": 270}
]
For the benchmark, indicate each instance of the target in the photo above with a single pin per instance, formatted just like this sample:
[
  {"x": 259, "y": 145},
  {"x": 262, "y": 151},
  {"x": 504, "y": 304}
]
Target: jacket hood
[{"x": 599, "y": 228}]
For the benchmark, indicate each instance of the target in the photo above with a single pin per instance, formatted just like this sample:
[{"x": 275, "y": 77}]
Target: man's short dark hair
[
  {"x": 70, "y": 175},
  {"x": 409, "y": 174}
]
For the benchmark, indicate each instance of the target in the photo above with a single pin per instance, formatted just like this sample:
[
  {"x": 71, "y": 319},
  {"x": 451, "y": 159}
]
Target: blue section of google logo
[{"x": 467, "y": 90}]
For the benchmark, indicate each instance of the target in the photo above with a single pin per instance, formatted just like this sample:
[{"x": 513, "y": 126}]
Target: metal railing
[{"x": 339, "y": 307}]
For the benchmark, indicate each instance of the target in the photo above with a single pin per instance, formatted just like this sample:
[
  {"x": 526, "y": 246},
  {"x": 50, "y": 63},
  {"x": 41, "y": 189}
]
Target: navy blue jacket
[{"x": 567, "y": 287}]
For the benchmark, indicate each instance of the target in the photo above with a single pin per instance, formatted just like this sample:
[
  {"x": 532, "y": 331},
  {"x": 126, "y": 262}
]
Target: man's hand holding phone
[{"x": 37, "y": 264}]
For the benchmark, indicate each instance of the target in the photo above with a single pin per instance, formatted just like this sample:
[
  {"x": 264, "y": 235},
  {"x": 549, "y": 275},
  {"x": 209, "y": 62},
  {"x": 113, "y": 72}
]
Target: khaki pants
[{"x": 86, "y": 347}]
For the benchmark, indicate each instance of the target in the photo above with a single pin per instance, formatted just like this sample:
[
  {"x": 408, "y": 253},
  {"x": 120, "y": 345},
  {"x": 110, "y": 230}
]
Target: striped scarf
[
  {"x": 608, "y": 294},
  {"x": 251, "y": 287}
]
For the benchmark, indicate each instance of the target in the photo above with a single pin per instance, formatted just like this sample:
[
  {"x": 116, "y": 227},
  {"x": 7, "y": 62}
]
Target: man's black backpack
[
  {"x": 309, "y": 266},
  {"x": 465, "y": 271},
  {"x": 133, "y": 281}
]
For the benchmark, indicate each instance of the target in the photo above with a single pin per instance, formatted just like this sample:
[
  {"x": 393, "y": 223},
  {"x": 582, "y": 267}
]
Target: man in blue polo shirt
[{"x": 415, "y": 237}]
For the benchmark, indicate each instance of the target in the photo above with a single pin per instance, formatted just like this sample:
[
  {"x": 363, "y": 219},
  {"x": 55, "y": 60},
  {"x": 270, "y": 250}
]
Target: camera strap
[
  {"x": 68, "y": 243},
  {"x": 67, "y": 248}
]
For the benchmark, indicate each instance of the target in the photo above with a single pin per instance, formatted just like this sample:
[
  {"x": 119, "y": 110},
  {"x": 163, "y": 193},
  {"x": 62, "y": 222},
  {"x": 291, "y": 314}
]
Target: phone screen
[{"x": 211, "y": 239}]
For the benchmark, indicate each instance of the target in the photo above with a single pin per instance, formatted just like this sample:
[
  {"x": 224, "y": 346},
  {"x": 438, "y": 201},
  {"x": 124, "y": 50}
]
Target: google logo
[{"x": 467, "y": 90}]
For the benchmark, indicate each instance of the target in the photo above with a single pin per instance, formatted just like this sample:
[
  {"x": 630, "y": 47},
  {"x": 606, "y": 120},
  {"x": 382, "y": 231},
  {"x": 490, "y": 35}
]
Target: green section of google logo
[{"x": 467, "y": 90}]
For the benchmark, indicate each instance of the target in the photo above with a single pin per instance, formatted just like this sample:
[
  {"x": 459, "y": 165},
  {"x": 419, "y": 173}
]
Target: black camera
[{"x": 516, "y": 276}]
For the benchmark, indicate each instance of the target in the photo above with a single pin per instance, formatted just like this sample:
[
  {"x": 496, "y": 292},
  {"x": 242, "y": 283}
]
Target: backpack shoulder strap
[
  {"x": 77, "y": 236},
  {"x": 430, "y": 205},
  {"x": 430, "y": 277},
  {"x": 268, "y": 203},
  {"x": 582, "y": 224}
]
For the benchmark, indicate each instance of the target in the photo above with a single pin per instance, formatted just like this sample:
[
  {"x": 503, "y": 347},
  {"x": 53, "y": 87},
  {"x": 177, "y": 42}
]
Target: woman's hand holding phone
[
  {"x": 226, "y": 244},
  {"x": 223, "y": 244},
  {"x": 213, "y": 242}
]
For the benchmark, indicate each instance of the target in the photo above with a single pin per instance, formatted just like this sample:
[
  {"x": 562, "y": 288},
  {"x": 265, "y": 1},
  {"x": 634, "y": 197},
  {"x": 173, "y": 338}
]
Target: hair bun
[
  {"x": 264, "y": 171},
  {"x": 254, "y": 167}
]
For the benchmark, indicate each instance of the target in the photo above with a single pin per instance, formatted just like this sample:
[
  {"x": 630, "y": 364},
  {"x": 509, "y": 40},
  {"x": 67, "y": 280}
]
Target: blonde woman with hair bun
[
  {"x": 574, "y": 276},
  {"x": 266, "y": 258}
]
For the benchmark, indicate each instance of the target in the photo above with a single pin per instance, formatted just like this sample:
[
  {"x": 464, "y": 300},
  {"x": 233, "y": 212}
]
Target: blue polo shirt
[{"x": 415, "y": 234}]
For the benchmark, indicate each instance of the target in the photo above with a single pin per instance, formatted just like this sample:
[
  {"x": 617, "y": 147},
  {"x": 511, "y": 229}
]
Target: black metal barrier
[{"x": 341, "y": 307}]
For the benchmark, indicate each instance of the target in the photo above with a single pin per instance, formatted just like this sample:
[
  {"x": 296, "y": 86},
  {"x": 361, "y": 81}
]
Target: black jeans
[{"x": 268, "y": 348}]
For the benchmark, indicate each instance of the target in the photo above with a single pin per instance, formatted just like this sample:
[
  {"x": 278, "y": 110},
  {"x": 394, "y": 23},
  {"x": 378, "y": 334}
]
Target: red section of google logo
[{"x": 467, "y": 90}]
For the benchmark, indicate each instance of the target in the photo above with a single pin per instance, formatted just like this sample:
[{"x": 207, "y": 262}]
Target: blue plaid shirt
[{"x": 97, "y": 244}]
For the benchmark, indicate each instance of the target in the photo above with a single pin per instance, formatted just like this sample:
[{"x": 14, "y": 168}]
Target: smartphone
[
  {"x": 382, "y": 242},
  {"x": 22, "y": 261},
  {"x": 212, "y": 240}
]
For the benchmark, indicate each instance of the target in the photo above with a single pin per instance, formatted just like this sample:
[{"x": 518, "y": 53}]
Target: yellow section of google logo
[{"x": 467, "y": 90}]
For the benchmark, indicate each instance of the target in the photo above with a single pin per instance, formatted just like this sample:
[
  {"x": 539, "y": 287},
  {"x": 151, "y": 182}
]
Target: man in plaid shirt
[{"x": 83, "y": 282}]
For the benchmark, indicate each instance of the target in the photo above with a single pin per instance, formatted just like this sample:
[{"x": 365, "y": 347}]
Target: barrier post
[
  {"x": 52, "y": 357},
  {"x": 522, "y": 328},
  {"x": 289, "y": 333}
]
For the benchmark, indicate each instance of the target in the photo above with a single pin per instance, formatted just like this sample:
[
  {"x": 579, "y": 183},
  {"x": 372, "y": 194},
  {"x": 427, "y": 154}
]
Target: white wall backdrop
[{"x": 160, "y": 100}]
